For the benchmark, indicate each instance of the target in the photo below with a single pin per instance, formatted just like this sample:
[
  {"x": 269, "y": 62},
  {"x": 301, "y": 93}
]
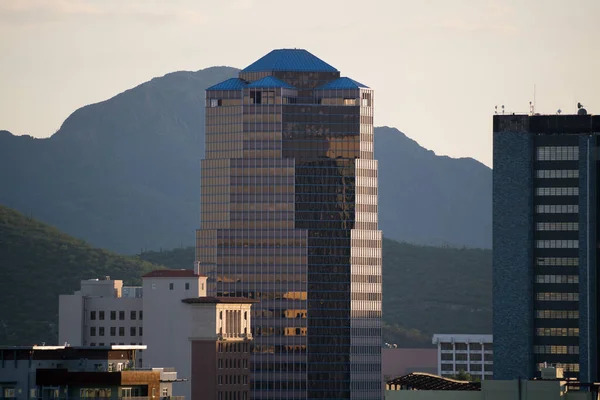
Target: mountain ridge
[{"x": 124, "y": 174}]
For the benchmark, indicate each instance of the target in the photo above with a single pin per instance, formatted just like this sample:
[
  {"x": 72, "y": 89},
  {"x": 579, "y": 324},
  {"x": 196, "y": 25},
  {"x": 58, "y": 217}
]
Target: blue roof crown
[
  {"x": 270, "y": 82},
  {"x": 296, "y": 60},
  {"x": 229, "y": 84},
  {"x": 342, "y": 83}
]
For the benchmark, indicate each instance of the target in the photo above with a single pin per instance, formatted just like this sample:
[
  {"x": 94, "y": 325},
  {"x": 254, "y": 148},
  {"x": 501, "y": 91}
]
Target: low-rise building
[
  {"x": 552, "y": 386},
  {"x": 472, "y": 354},
  {"x": 45, "y": 372},
  {"x": 206, "y": 339}
]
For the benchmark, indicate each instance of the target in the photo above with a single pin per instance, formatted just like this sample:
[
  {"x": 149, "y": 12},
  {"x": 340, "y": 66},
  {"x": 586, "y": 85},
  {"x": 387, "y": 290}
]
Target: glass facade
[{"x": 289, "y": 217}]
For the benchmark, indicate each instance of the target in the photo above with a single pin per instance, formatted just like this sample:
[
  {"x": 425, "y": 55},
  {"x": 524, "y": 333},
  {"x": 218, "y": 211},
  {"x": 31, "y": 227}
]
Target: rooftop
[
  {"x": 229, "y": 84},
  {"x": 172, "y": 273},
  {"x": 53, "y": 348},
  {"x": 462, "y": 338},
  {"x": 423, "y": 381},
  {"x": 270, "y": 82},
  {"x": 224, "y": 300},
  {"x": 343, "y": 83},
  {"x": 295, "y": 60}
]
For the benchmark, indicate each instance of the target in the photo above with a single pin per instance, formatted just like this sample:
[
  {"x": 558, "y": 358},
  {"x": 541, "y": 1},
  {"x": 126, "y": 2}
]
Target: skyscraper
[
  {"x": 545, "y": 267},
  {"x": 289, "y": 217}
]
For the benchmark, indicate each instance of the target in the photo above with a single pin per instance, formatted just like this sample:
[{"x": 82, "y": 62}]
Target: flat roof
[
  {"x": 52, "y": 348},
  {"x": 462, "y": 338},
  {"x": 173, "y": 273},
  {"x": 223, "y": 300}
]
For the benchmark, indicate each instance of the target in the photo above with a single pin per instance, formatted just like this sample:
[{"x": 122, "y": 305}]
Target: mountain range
[
  {"x": 124, "y": 174},
  {"x": 421, "y": 292}
]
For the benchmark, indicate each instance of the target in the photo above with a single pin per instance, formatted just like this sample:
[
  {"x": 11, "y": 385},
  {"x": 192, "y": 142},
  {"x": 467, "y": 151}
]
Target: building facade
[
  {"x": 472, "y": 354},
  {"x": 206, "y": 339},
  {"x": 289, "y": 217},
  {"x": 545, "y": 244},
  {"x": 102, "y": 313},
  {"x": 63, "y": 372}
]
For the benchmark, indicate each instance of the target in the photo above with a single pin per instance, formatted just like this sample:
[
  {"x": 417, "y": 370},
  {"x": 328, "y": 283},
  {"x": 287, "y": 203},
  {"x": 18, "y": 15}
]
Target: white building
[
  {"x": 472, "y": 354},
  {"x": 203, "y": 338},
  {"x": 101, "y": 313}
]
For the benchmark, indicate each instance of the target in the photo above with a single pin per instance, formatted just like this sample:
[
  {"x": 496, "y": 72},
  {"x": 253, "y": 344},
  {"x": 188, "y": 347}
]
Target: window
[
  {"x": 216, "y": 102},
  {"x": 557, "y": 244},
  {"x": 141, "y": 331},
  {"x": 141, "y": 314},
  {"x": 557, "y": 153},
  {"x": 132, "y": 331},
  {"x": 132, "y": 316},
  {"x": 171, "y": 285},
  {"x": 101, "y": 331},
  {"x": 113, "y": 315},
  {"x": 245, "y": 315},
  {"x": 122, "y": 315},
  {"x": 557, "y": 191},
  {"x": 93, "y": 331},
  {"x": 93, "y": 315},
  {"x": 557, "y": 208},
  {"x": 101, "y": 315},
  {"x": 165, "y": 392},
  {"x": 121, "y": 331},
  {"x": 113, "y": 331},
  {"x": 556, "y": 173},
  {"x": 187, "y": 286}
]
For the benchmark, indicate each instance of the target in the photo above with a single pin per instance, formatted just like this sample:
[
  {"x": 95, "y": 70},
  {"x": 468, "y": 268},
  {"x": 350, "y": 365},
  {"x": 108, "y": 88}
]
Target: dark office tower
[
  {"x": 545, "y": 267},
  {"x": 289, "y": 218}
]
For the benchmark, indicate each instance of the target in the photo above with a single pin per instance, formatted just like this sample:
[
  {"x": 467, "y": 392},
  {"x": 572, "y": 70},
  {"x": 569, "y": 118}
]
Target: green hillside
[
  {"x": 37, "y": 263},
  {"x": 426, "y": 289}
]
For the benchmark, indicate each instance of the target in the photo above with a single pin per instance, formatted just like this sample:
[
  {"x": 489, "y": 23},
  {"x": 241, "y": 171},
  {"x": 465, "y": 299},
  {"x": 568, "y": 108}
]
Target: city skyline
[{"x": 426, "y": 58}]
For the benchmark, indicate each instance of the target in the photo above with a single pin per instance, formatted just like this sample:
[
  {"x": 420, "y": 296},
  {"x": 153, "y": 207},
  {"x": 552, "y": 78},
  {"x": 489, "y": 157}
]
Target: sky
[{"x": 438, "y": 67}]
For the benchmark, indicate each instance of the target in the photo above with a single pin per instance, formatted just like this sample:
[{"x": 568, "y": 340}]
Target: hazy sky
[{"x": 438, "y": 66}]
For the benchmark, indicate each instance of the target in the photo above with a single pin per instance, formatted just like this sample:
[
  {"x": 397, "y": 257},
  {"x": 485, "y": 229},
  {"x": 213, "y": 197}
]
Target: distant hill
[
  {"x": 37, "y": 263},
  {"x": 124, "y": 174},
  {"x": 430, "y": 199},
  {"x": 426, "y": 289}
]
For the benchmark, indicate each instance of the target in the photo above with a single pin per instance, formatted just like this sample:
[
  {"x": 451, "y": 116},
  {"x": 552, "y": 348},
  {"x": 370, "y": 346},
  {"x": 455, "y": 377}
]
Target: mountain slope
[
  {"x": 431, "y": 199},
  {"x": 37, "y": 263},
  {"x": 124, "y": 174},
  {"x": 426, "y": 289}
]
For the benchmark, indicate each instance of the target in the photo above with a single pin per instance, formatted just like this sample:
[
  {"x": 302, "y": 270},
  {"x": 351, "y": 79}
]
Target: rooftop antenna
[
  {"x": 533, "y": 105},
  {"x": 559, "y": 111},
  {"x": 502, "y": 109},
  {"x": 495, "y": 109}
]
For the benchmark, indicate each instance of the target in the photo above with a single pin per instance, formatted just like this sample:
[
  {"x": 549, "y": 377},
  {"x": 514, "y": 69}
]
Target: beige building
[{"x": 206, "y": 339}]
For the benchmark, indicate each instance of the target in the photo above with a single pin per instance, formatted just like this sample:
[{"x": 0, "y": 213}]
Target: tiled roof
[
  {"x": 298, "y": 60},
  {"x": 343, "y": 83},
  {"x": 172, "y": 273},
  {"x": 229, "y": 84},
  {"x": 270, "y": 82},
  {"x": 213, "y": 300}
]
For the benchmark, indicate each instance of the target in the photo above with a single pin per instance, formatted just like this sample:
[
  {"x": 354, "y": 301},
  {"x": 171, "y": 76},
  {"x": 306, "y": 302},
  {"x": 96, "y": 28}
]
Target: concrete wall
[
  {"x": 70, "y": 319},
  {"x": 513, "y": 254},
  {"x": 588, "y": 344},
  {"x": 168, "y": 325}
]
